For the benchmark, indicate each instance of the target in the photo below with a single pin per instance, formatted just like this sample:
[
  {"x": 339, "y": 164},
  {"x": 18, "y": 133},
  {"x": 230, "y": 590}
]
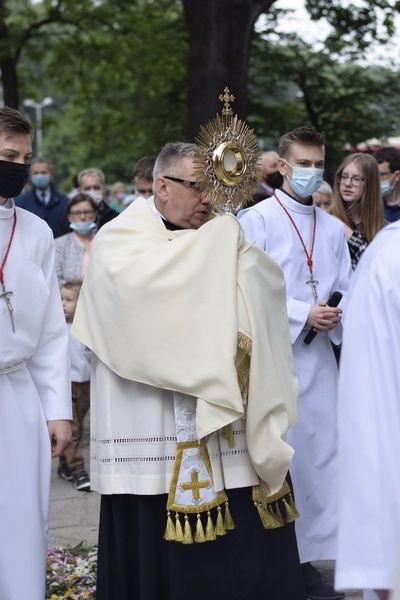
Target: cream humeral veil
[{"x": 165, "y": 308}]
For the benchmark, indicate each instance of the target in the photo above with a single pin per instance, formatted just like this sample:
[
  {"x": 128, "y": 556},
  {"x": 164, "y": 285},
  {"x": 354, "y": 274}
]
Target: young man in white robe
[
  {"x": 187, "y": 321},
  {"x": 34, "y": 380},
  {"x": 369, "y": 424},
  {"x": 311, "y": 249}
]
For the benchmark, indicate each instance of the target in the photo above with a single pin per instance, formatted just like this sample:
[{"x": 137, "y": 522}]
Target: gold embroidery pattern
[
  {"x": 177, "y": 533},
  {"x": 196, "y": 507}
]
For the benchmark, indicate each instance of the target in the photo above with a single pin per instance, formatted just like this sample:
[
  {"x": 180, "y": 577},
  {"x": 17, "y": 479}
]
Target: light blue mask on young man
[
  {"x": 386, "y": 188},
  {"x": 305, "y": 180}
]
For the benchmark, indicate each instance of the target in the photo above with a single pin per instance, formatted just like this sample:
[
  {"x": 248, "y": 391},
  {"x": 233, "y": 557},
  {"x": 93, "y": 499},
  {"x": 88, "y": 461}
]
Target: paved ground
[{"x": 74, "y": 518}]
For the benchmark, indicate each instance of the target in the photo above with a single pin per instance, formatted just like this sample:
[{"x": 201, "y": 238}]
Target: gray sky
[{"x": 313, "y": 31}]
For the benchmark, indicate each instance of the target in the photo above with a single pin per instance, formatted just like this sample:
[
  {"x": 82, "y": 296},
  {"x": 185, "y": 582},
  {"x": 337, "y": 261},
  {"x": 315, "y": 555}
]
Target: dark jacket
[
  {"x": 105, "y": 214},
  {"x": 53, "y": 212}
]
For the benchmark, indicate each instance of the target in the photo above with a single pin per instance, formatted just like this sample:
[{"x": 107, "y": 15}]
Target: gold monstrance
[{"x": 227, "y": 160}]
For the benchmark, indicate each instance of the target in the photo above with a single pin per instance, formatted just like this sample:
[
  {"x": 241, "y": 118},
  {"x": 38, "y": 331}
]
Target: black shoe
[
  {"x": 64, "y": 472},
  {"x": 316, "y": 586},
  {"x": 81, "y": 481}
]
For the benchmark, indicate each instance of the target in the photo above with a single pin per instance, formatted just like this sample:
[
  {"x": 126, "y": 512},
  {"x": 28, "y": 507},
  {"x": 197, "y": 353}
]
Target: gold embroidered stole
[{"x": 192, "y": 489}]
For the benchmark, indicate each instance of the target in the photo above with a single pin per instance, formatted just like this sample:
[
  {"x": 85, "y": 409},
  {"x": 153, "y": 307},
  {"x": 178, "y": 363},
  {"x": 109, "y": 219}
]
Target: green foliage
[
  {"x": 292, "y": 84},
  {"x": 356, "y": 25},
  {"x": 117, "y": 72}
]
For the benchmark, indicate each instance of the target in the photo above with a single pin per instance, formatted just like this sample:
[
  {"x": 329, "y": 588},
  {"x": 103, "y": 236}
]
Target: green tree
[
  {"x": 348, "y": 101},
  {"x": 128, "y": 89},
  {"x": 119, "y": 84},
  {"x": 357, "y": 25},
  {"x": 129, "y": 75},
  {"x": 23, "y": 22}
]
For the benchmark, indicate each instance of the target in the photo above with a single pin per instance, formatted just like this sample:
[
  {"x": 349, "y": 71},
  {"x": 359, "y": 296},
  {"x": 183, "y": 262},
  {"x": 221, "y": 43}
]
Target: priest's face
[{"x": 177, "y": 200}]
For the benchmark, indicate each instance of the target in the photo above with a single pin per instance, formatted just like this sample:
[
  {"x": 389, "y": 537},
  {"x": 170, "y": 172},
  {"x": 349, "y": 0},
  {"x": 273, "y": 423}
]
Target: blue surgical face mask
[
  {"x": 386, "y": 188},
  {"x": 40, "y": 180},
  {"x": 83, "y": 226},
  {"x": 305, "y": 180}
]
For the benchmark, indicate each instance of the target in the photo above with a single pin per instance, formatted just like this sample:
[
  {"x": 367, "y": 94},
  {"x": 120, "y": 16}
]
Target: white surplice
[
  {"x": 29, "y": 397},
  {"x": 369, "y": 422},
  {"x": 314, "y": 466}
]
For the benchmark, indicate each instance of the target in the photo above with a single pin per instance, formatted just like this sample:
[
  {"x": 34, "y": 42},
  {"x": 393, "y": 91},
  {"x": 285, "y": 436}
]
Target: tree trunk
[
  {"x": 219, "y": 45},
  {"x": 8, "y": 63},
  {"x": 8, "y": 69}
]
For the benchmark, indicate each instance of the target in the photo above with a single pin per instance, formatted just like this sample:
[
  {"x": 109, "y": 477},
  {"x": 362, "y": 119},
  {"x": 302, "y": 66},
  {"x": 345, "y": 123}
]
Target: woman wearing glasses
[
  {"x": 357, "y": 202},
  {"x": 73, "y": 249}
]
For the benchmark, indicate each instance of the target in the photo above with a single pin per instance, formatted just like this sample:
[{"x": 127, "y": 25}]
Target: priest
[
  {"x": 193, "y": 390},
  {"x": 34, "y": 372},
  {"x": 369, "y": 424},
  {"x": 311, "y": 249}
]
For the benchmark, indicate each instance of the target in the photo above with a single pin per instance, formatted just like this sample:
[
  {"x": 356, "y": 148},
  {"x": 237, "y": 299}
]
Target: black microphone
[{"x": 333, "y": 302}]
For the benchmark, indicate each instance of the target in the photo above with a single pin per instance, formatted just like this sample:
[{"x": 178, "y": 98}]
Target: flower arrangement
[{"x": 71, "y": 573}]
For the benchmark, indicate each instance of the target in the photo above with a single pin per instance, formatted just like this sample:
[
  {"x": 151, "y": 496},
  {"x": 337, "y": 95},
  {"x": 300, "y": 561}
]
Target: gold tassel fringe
[
  {"x": 228, "y": 521},
  {"x": 187, "y": 532},
  {"x": 278, "y": 515},
  {"x": 270, "y": 515},
  {"x": 219, "y": 526},
  {"x": 178, "y": 529},
  {"x": 210, "y": 531},
  {"x": 175, "y": 533},
  {"x": 169, "y": 534},
  {"x": 199, "y": 536},
  {"x": 270, "y": 506},
  {"x": 291, "y": 510},
  {"x": 267, "y": 517}
]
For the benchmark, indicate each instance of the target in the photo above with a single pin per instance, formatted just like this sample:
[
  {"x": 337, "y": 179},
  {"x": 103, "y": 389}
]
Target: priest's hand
[
  {"x": 60, "y": 435},
  {"x": 322, "y": 317}
]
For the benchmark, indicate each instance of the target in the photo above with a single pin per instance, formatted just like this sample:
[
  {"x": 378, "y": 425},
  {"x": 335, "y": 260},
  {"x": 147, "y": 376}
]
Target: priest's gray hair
[{"x": 170, "y": 157}]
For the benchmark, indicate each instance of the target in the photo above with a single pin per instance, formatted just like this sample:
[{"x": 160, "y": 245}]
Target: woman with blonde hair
[
  {"x": 118, "y": 194},
  {"x": 357, "y": 202}
]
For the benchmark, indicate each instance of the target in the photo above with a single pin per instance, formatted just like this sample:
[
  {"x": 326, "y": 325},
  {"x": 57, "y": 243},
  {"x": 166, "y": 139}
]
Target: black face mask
[
  {"x": 13, "y": 177},
  {"x": 275, "y": 180}
]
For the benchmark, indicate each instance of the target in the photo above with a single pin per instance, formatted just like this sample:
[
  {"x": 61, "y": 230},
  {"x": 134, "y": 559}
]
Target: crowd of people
[{"x": 231, "y": 449}]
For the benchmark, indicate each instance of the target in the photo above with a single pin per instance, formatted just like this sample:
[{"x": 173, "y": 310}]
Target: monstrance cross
[{"x": 227, "y": 98}]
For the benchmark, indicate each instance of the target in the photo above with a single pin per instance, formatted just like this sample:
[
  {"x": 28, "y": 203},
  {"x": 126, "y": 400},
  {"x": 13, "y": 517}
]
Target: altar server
[
  {"x": 34, "y": 372},
  {"x": 311, "y": 248}
]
